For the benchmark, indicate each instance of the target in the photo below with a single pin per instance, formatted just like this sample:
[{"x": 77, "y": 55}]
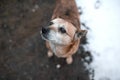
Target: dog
[{"x": 63, "y": 33}]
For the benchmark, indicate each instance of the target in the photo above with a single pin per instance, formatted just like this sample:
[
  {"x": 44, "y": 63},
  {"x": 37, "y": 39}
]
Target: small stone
[
  {"x": 33, "y": 10},
  {"x": 10, "y": 40},
  {"x": 47, "y": 66},
  {"x": 58, "y": 66},
  {"x": 36, "y": 6}
]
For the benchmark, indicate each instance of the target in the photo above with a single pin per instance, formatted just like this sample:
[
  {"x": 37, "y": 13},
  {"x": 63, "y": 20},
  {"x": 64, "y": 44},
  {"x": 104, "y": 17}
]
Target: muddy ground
[{"x": 23, "y": 55}]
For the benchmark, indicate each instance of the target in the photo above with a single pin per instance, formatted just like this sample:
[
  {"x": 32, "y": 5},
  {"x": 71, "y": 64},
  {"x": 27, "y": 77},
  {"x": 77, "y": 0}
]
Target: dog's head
[{"x": 61, "y": 32}]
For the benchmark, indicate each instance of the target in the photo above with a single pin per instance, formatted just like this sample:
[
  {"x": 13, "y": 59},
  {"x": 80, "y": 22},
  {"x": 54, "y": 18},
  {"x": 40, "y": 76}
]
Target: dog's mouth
[{"x": 44, "y": 36}]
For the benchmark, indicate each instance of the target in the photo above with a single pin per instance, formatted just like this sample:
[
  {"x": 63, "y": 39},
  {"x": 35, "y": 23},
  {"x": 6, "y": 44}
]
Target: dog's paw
[
  {"x": 69, "y": 60},
  {"x": 50, "y": 54}
]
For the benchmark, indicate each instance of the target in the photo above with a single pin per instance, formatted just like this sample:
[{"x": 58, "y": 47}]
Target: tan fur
[
  {"x": 67, "y": 10},
  {"x": 53, "y": 28}
]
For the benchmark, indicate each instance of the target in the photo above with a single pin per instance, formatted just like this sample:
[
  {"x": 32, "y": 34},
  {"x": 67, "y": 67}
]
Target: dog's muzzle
[{"x": 45, "y": 31}]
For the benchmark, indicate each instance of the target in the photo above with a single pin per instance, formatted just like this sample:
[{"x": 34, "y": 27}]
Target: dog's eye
[
  {"x": 62, "y": 30},
  {"x": 50, "y": 23}
]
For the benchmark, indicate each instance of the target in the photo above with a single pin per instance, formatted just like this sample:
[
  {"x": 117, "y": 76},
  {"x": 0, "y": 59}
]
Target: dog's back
[{"x": 67, "y": 9}]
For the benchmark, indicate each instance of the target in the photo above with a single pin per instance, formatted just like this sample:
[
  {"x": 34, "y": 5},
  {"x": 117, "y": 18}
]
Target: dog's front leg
[
  {"x": 50, "y": 53},
  {"x": 69, "y": 60}
]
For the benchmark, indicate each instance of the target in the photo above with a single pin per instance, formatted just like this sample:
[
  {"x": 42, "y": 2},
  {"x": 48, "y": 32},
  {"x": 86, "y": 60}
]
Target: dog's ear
[{"x": 79, "y": 34}]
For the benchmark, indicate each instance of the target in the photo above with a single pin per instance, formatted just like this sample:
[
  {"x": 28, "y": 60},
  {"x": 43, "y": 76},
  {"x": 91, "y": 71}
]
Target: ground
[{"x": 23, "y": 55}]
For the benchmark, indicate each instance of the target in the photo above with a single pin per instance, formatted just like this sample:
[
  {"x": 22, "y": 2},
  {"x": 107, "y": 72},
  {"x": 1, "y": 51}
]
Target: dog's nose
[{"x": 45, "y": 30}]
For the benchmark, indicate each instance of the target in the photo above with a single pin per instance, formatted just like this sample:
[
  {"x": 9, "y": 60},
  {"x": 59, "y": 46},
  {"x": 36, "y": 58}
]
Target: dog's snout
[{"x": 45, "y": 30}]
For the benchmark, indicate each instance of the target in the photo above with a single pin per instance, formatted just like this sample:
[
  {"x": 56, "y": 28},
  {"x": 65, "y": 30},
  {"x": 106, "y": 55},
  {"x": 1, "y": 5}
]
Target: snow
[{"x": 103, "y": 19}]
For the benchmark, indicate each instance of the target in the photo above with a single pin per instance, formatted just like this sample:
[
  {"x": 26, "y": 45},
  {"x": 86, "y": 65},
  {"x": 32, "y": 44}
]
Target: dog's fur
[{"x": 63, "y": 34}]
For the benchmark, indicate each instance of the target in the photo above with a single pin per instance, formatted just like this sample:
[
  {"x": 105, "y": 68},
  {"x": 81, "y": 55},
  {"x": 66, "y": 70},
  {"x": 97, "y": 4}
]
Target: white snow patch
[{"x": 103, "y": 36}]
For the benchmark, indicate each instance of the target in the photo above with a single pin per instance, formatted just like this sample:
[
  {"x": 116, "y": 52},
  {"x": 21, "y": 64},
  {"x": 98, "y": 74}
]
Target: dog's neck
[{"x": 65, "y": 50}]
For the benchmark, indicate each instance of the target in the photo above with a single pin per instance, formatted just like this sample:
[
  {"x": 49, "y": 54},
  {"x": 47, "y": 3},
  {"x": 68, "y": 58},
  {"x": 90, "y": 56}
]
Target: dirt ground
[{"x": 23, "y": 55}]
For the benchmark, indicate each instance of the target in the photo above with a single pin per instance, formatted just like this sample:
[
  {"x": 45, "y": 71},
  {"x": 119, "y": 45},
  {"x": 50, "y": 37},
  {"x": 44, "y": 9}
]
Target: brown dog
[{"x": 63, "y": 33}]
